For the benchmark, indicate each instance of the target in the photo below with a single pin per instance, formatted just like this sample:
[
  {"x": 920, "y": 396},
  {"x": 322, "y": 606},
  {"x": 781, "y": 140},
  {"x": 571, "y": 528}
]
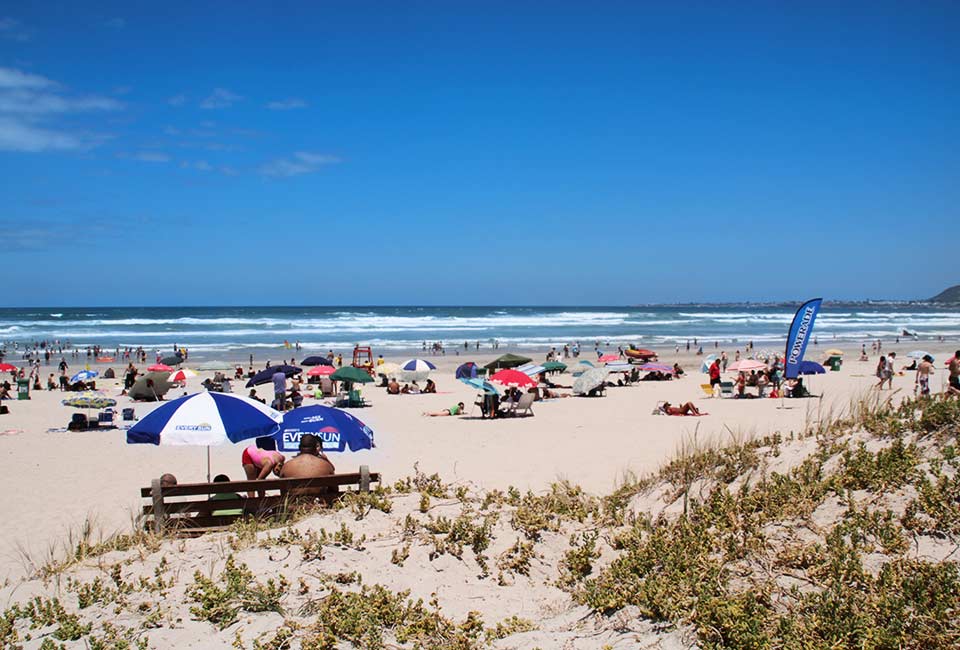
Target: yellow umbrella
[
  {"x": 834, "y": 352},
  {"x": 387, "y": 369}
]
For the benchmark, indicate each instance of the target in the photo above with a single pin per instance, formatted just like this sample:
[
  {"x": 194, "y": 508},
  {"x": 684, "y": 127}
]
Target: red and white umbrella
[
  {"x": 6, "y": 367},
  {"x": 159, "y": 367},
  {"x": 181, "y": 375},
  {"x": 746, "y": 365},
  {"x": 321, "y": 371},
  {"x": 511, "y": 377}
]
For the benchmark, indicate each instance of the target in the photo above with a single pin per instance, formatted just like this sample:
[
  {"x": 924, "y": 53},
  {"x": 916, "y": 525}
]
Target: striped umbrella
[
  {"x": 205, "y": 419},
  {"x": 89, "y": 399},
  {"x": 532, "y": 369},
  {"x": 83, "y": 375},
  {"x": 417, "y": 365},
  {"x": 746, "y": 365},
  {"x": 181, "y": 375},
  {"x": 656, "y": 367},
  {"x": 618, "y": 366}
]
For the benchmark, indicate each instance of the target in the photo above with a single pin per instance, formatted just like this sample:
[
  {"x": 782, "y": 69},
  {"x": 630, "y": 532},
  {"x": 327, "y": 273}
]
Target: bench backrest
[{"x": 274, "y": 496}]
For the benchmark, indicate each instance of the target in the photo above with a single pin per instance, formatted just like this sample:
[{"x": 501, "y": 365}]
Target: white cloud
[
  {"x": 151, "y": 156},
  {"x": 29, "y": 101},
  {"x": 177, "y": 100},
  {"x": 220, "y": 98},
  {"x": 20, "y": 135},
  {"x": 287, "y": 104},
  {"x": 13, "y": 30},
  {"x": 12, "y": 78},
  {"x": 302, "y": 162}
]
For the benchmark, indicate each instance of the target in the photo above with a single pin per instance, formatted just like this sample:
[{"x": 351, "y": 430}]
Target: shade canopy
[
  {"x": 349, "y": 373},
  {"x": 205, "y": 419},
  {"x": 265, "y": 376},
  {"x": 508, "y": 361},
  {"x": 336, "y": 429}
]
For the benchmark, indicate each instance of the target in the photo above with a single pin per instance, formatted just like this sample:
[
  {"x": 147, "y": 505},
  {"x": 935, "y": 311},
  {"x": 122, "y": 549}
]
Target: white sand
[{"x": 53, "y": 481}]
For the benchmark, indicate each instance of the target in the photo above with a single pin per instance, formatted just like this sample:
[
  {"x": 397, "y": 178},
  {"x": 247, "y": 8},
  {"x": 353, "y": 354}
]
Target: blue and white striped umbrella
[
  {"x": 83, "y": 375},
  {"x": 531, "y": 369},
  {"x": 417, "y": 365},
  {"x": 206, "y": 419},
  {"x": 618, "y": 366}
]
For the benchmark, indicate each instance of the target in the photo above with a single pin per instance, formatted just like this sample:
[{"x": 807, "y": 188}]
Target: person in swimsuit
[
  {"x": 923, "y": 375},
  {"x": 683, "y": 409},
  {"x": 258, "y": 463},
  {"x": 953, "y": 388},
  {"x": 311, "y": 462},
  {"x": 453, "y": 410}
]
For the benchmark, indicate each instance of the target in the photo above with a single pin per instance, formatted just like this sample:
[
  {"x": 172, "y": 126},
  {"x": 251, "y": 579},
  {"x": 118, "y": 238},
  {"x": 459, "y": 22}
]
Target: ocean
[{"x": 220, "y": 331}]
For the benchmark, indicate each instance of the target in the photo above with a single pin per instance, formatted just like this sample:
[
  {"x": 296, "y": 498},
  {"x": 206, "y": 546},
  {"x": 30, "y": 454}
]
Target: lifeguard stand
[{"x": 363, "y": 359}]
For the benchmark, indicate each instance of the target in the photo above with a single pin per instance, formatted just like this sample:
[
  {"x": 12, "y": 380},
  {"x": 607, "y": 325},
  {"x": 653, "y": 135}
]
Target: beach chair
[
  {"x": 524, "y": 404},
  {"x": 354, "y": 400},
  {"x": 707, "y": 390},
  {"x": 106, "y": 416},
  {"x": 726, "y": 389},
  {"x": 129, "y": 415}
]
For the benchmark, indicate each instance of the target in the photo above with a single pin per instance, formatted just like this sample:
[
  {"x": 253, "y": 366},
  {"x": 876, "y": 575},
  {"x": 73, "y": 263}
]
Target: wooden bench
[{"x": 191, "y": 517}]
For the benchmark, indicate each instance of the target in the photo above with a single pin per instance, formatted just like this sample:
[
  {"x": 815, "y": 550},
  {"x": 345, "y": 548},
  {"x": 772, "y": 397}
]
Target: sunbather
[
  {"x": 258, "y": 463},
  {"x": 683, "y": 409},
  {"x": 431, "y": 387},
  {"x": 453, "y": 410}
]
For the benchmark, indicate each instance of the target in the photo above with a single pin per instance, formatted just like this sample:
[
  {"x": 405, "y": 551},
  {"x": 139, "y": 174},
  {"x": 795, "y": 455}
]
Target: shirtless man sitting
[
  {"x": 393, "y": 388},
  {"x": 309, "y": 463}
]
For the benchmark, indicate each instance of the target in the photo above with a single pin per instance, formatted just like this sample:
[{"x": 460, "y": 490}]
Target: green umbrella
[
  {"x": 554, "y": 366},
  {"x": 350, "y": 373},
  {"x": 507, "y": 361}
]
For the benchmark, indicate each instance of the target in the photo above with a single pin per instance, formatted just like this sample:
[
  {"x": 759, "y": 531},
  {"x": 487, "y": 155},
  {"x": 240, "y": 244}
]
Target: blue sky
[{"x": 477, "y": 153}]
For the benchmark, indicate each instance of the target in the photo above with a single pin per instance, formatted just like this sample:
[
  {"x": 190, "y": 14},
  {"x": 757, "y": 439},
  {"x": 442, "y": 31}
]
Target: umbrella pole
[{"x": 208, "y": 463}]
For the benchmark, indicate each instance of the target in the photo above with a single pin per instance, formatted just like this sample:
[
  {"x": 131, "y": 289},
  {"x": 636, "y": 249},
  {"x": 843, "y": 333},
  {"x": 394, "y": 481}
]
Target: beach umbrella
[
  {"x": 160, "y": 367},
  {"x": 618, "y": 366},
  {"x": 919, "y": 354},
  {"x": 316, "y": 361},
  {"x": 607, "y": 358},
  {"x": 531, "y": 369},
  {"x": 174, "y": 360},
  {"x": 265, "y": 376},
  {"x": 481, "y": 385},
  {"x": 150, "y": 386},
  {"x": 468, "y": 369},
  {"x": 83, "y": 375},
  {"x": 89, "y": 399},
  {"x": 387, "y": 368},
  {"x": 205, "y": 419},
  {"x": 507, "y": 361},
  {"x": 581, "y": 368},
  {"x": 707, "y": 362},
  {"x": 321, "y": 371},
  {"x": 417, "y": 365},
  {"x": 811, "y": 368},
  {"x": 656, "y": 367},
  {"x": 746, "y": 365},
  {"x": 592, "y": 378},
  {"x": 6, "y": 367},
  {"x": 510, "y": 377},
  {"x": 215, "y": 365},
  {"x": 349, "y": 373},
  {"x": 554, "y": 366},
  {"x": 834, "y": 352},
  {"x": 336, "y": 429},
  {"x": 178, "y": 376}
]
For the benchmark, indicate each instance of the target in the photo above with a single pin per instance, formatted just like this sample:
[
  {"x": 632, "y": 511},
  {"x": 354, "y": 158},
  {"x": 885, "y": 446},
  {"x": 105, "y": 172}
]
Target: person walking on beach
[
  {"x": 279, "y": 390},
  {"x": 953, "y": 387},
  {"x": 714, "y": 371},
  {"x": 882, "y": 371},
  {"x": 724, "y": 360},
  {"x": 922, "y": 381}
]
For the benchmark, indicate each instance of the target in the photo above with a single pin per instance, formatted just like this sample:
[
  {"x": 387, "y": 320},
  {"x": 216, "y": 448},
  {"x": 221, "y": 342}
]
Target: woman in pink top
[{"x": 258, "y": 463}]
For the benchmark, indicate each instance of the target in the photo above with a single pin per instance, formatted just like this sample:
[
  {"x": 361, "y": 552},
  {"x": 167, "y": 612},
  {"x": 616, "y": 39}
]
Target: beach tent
[
  {"x": 151, "y": 386},
  {"x": 265, "y": 376},
  {"x": 466, "y": 371},
  {"x": 336, "y": 429},
  {"x": 507, "y": 361}
]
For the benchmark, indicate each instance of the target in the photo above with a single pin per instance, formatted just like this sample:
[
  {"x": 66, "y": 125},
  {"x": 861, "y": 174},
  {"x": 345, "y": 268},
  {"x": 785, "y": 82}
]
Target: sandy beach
[{"x": 55, "y": 480}]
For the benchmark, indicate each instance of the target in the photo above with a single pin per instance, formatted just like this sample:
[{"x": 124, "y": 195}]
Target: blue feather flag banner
[{"x": 800, "y": 331}]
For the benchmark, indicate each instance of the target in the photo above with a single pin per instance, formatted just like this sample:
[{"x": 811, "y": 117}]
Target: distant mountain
[{"x": 948, "y": 295}]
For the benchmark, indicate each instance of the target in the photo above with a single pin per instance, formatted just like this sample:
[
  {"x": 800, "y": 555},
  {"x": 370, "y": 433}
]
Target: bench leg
[
  {"x": 159, "y": 513},
  {"x": 364, "y": 478}
]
